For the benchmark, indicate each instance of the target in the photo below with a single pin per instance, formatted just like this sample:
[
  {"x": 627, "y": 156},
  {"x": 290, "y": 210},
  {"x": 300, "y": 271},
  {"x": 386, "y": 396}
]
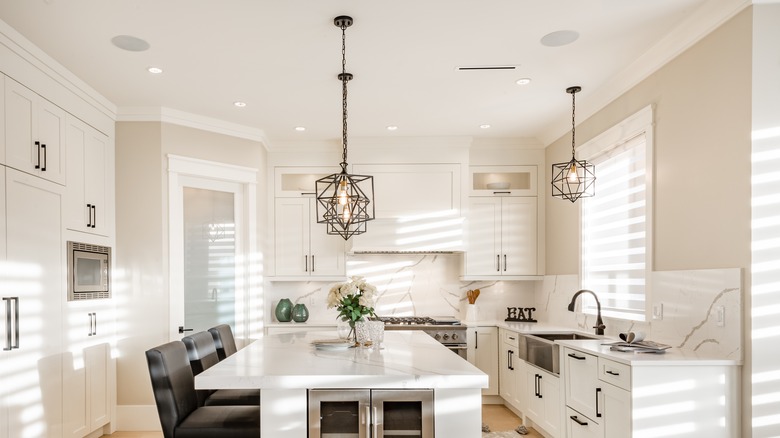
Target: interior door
[{"x": 210, "y": 233}]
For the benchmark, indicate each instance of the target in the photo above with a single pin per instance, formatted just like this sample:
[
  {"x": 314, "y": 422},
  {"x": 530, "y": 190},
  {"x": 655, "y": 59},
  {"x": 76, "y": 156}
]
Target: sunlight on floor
[{"x": 501, "y": 419}]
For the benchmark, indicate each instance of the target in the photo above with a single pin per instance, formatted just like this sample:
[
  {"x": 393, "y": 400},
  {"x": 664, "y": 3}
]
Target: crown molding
[
  {"x": 696, "y": 26},
  {"x": 190, "y": 120}
]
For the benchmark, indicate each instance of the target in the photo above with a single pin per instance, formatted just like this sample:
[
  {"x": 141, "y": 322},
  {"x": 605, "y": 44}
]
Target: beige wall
[
  {"x": 702, "y": 157},
  {"x": 142, "y": 241}
]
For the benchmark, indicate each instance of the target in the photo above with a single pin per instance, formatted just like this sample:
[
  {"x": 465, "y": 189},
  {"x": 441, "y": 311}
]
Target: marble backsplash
[
  {"x": 690, "y": 300},
  {"x": 429, "y": 285},
  {"x": 408, "y": 284}
]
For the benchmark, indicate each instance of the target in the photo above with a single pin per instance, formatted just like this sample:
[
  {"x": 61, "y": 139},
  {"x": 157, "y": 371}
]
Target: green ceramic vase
[
  {"x": 284, "y": 310},
  {"x": 300, "y": 313}
]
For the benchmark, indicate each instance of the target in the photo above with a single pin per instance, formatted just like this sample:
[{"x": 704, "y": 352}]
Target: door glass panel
[
  {"x": 340, "y": 419},
  {"x": 209, "y": 258},
  {"x": 402, "y": 419}
]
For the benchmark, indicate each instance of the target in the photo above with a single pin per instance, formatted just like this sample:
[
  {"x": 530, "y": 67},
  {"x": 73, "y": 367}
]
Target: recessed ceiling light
[
  {"x": 559, "y": 38},
  {"x": 523, "y": 81},
  {"x": 154, "y": 70},
  {"x": 239, "y": 104},
  {"x": 392, "y": 128},
  {"x": 130, "y": 43},
  {"x": 300, "y": 128},
  {"x": 484, "y": 126}
]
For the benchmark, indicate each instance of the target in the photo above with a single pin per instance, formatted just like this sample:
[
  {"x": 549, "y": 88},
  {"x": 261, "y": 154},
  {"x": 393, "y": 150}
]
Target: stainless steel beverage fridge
[{"x": 364, "y": 413}]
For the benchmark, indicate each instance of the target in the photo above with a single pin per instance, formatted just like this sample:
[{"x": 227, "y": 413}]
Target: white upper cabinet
[
  {"x": 34, "y": 134},
  {"x": 302, "y": 248},
  {"x": 295, "y": 182},
  {"x": 503, "y": 180},
  {"x": 87, "y": 208},
  {"x": 502, "y": 237}
]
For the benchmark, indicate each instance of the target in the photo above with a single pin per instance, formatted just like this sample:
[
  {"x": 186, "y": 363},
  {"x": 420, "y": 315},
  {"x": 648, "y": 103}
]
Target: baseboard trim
[{"x": 137, "y": 418}]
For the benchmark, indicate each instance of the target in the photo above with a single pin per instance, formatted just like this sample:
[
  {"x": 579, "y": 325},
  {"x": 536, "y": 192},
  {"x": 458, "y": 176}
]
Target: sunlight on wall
[{"x": 765, "y": 290}]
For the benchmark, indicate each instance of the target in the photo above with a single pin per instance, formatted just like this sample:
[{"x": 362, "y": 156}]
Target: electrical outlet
[
  {"x": 658, "y": 312},
  {"x": 720, "y": 316}
]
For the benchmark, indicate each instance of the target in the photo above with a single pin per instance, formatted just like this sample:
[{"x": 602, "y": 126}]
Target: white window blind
[{"x": 615, "y": 231}]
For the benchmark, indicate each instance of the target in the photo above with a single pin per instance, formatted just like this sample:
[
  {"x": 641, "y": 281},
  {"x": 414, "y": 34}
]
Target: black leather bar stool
[
  {"x": 202, "y": 353},
  {"x": 224, "y": 341},
  {"x": 177, "y": 403}
]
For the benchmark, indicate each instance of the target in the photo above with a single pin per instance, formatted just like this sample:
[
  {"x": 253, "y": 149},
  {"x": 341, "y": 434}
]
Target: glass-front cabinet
[{"x": 363, "y": 413}]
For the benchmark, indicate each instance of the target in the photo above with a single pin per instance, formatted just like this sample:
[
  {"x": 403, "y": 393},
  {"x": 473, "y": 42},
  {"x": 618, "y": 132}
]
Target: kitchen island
[{"x": 286, "y": 366}]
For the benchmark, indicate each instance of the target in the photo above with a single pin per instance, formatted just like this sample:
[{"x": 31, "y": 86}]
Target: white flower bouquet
[{"x": 353, "y": 299}]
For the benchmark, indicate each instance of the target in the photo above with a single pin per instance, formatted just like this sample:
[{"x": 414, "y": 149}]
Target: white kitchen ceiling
[{"x": 281, "y": 58}]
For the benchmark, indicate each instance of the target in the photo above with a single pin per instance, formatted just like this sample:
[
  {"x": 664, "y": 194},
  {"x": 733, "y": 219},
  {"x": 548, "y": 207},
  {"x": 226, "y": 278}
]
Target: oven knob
[
  {"x": 446, "y": 336},
  {"x": 454, "y": 336},
  {"x": 437, "y": 336}
]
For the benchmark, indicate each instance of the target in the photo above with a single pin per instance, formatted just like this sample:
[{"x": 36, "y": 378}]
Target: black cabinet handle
[
  {"x": 306, "y": 263},
  {"x": 15, "y": 324},
  {"x": 598, "y": 391},
  {"x": 504, "y": 262},
  {"x": 511, "y": 361},
  {"x": 312, "y": 263},
  {"x": 89, "y": 215},
  {"x": 43, "y": 166},
  {"x": 574, "y": 356},
  {"x": 476, "y": 340},
  {"x": 38, "y": 147},
  {"x": 182, "y": 329},
  {"x": 612, "y": 373},
  {"x": 578, "y": 421},
  {"x": 498, "y": 263},
  {"x": 539, "y": 385},
  {"x": 94, "y": 215},
  {"x": 8, "y": 323},
  {"x": 502, "y": 193}
]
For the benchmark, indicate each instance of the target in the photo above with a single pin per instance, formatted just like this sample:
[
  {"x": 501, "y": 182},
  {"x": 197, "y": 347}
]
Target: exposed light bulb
[
  {"x": 345, "y": 215},
  {"x": 573, "y": 178},
  {"x": 343, "y": 196}
]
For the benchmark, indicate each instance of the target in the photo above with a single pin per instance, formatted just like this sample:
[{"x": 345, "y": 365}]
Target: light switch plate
[
  {"x": 658, "y": 311},
  {"x": 720, "y": 316}
]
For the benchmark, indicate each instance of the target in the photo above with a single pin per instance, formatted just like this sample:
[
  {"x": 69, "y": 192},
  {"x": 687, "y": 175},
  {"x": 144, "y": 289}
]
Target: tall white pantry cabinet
[{"x": 57, "y": 373}]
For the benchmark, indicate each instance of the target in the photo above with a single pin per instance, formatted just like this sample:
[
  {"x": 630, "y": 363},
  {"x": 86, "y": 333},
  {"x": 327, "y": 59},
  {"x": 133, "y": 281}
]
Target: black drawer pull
[
  {"x": 612, "y": 373},
  {"x": 574, "y": 356},
  {"x": 578, "y": 421}
]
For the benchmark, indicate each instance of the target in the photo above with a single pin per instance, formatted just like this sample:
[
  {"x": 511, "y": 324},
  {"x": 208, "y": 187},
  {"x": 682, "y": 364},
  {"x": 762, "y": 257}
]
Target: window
[{"x": 616, "y": 222}]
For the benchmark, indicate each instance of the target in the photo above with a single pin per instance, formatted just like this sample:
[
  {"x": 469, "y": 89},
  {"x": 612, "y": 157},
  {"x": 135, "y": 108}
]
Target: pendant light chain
[
  {"x": 344, "y": 79},
  {"x": 573, "y": 108}
]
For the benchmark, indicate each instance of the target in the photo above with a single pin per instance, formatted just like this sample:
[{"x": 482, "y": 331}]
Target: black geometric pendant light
[
  {"x": 344, "y": 201},
  {"x": 574, "y": 179}
]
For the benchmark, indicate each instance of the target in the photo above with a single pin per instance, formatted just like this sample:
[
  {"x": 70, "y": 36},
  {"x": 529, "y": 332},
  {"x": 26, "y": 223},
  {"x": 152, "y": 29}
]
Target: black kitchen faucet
[{"x": 599, "y": 323}]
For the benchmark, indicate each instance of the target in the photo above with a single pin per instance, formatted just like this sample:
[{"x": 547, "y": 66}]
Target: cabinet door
[
  {"x": 486, "y": 349},
  {"x": 551, "y": 397},
  {"x": 86, "y": 205},
  {"x": 616, "y": 412},
  {"x": 581, "y": 382},
  {"x": 507, "y": 375},
  {"x": 32, "y": 374},
  {"x": 6, "y": 315},
  {"x": 97, "y": 359},
  {"x": 291, "y": 247},
  {"x": 483, "y": 256},
  {"x": 579, "y": 426},
  {"x": 534, "y": 402},
  {"x": 518, "y": 236},
  {"x": 326, "y": 256},
  {"x": 35, "y": 133}
]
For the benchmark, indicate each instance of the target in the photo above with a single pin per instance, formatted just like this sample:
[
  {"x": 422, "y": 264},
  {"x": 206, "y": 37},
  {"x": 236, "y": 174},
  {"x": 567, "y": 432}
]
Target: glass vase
[
  {"x": 300, "y": 313},
  {"x": 283, "y": 310},
  {"x": 362, "y": 333}
]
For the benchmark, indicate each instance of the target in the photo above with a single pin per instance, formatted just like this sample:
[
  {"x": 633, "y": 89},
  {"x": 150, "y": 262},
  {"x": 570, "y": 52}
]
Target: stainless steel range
[{"x": 447, "y": 330}]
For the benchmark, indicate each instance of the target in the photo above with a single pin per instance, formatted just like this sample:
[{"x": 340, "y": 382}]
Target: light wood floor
[{"x": 498, "y": 417}]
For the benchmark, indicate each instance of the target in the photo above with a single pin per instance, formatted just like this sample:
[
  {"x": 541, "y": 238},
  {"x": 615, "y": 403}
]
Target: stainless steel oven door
[{"x": 459, "y": 349}]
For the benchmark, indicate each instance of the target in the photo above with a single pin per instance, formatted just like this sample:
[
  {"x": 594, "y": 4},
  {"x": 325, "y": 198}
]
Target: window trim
[{"x": 637, "y": 124}]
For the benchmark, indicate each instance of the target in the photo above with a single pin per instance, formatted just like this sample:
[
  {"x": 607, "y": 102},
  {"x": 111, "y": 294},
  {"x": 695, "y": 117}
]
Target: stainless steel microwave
[{"x": 89, "y": 268}]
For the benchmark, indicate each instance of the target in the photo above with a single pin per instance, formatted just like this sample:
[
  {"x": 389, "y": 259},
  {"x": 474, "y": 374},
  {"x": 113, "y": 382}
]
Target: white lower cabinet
[
  {"x": 681, "y": 397},
  {"x": 87, "y": 368},
  {"x": 544, "y": 399},
  {"x": 511, "y": 376},
  {"x": 483, "y": 353}
]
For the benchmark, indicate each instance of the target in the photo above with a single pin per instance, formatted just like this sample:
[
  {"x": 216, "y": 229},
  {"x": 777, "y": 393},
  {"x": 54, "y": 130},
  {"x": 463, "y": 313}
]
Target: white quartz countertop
[
  {"x": 672, "y": 356},
  {"x": 407, "y": 359}
]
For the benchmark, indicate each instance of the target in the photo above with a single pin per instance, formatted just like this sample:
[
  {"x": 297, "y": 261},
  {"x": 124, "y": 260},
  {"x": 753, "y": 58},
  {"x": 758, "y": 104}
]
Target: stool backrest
[
  {"x": 201, "y": 350},
  {"x": 224, "y": 341},
  {"x": 173, "y": 384}
]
